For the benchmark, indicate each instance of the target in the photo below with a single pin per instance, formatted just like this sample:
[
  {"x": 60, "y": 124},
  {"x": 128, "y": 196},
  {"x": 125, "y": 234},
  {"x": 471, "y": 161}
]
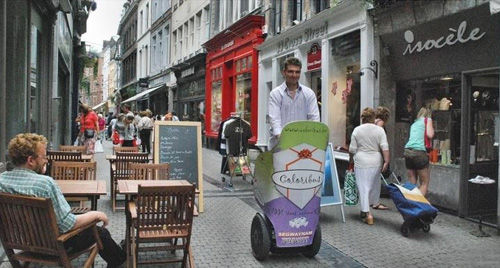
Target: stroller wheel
[
  {"x": 426, "y": 227},
  {"x": 405, "y": 230}
]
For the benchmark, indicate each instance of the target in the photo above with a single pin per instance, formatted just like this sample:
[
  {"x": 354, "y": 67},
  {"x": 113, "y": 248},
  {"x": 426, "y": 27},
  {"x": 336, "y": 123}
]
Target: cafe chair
[
  {"x": 72, "y": 148},
  {"x": 164, "y": 216},
  {"x": 63, "y": 170},
  {"x": 122, "y": 149},
  {"x": 148, "y": 171},
  {"x": 29, "y": 233},
  {"x": 53, "y": 156},
  {"x": 119, "y": 170}
]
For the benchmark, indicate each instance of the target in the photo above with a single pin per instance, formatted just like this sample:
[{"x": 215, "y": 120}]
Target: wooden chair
[
  {"x": 141, "y": 171},
  {"x": 62, "y": 156},
  {"x": 63, "y": 170},
  {"x": 125, "y": 149},
  {"x": 164, "y": 215},
  {"x": 29, "y": 233},
  {"x": 71, "y": 148},
  {"x": 67, "y": 170},
  {"x": 119, "y": 170}
]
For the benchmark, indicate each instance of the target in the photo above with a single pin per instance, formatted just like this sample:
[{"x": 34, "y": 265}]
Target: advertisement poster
[{"x": 288, "y": 182}]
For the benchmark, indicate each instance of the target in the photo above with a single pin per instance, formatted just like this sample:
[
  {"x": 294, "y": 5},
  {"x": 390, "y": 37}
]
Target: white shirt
[
  {"x": 367, "y": 141},
  {"x": 284, "y": 109}
]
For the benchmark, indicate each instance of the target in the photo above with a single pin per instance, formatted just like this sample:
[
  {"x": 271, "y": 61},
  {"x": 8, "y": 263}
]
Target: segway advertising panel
[{"x": 287, "y": 184}]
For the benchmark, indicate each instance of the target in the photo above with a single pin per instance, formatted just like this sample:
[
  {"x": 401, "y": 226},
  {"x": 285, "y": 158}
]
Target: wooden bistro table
[
  {"x": 83, "y": 188},
  {"x": 130, "y": 188},
  {"x": 87, "y": 157}
]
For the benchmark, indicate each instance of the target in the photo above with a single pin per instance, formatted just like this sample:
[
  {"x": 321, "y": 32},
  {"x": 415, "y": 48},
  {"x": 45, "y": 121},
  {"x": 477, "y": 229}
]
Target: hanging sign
[{"x": 314, "y": 57}]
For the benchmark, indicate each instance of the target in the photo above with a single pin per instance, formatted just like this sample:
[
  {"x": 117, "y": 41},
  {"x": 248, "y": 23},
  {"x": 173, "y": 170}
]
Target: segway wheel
[
  {"x": 313, "y": 249},
  {"x": 260, "y": 238},
  {"x": 426, "y": 227},
  {"x": 405, "y": 230}
]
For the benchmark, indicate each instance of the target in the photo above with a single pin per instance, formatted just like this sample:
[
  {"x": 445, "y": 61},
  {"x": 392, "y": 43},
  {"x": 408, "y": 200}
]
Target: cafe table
[
  {"x": 87, "y": 157},
  {"x": 83, "y": 188}
]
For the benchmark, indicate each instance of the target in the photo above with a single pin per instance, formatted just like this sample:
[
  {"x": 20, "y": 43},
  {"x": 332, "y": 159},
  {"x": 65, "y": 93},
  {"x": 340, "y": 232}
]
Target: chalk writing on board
[{"x": 178, "y": 147}]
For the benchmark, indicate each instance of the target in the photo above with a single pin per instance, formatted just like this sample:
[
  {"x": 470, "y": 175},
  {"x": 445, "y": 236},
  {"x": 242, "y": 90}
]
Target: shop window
[
  {"x": 216, "y": 109},
  {"x": 484, "y": 117},
  {"x": 243, "y": 95},
  {"x": 442, "y": 95}
]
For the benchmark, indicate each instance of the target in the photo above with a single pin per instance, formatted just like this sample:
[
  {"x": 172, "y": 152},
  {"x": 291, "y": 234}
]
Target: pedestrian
[
  {"x": 416, "y": 158},
  {"x": 174, "y": 116},
  {"x": 89, "y": 128},
  {"x": 29, "y": 156},
  {"x": 382, "y": 115},
  {"x": 367, "y": 141},
  {"x": 145, "y": 127},
  {"x": 167, "y": 117},
  {"x": 291, "y": 101},
  {"x": 129, "y": 133},
  {"x": 102, "y": 127}
]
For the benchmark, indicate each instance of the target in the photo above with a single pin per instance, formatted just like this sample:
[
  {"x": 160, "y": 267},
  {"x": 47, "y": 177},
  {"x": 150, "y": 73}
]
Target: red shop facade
[{"x": 232, "y": 75}]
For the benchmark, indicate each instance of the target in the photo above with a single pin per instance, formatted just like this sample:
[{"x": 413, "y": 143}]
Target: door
[{"x": 480, "y": 142}]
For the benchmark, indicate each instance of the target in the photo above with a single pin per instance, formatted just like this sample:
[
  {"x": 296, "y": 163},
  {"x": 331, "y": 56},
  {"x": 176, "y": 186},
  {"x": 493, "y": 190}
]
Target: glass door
[{"x": 481, "y": 137}]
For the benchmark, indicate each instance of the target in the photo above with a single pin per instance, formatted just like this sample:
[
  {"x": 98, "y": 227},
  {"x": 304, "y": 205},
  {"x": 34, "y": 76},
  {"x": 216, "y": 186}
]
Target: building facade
[
  {"x": 40, "y": 52},
  {"x": 231, "y": 78},
  {"x": 190, "y": 29},
  {"x": 334, "y": 43},
  {"x": 127, "y": 31},
  {"x": 444, "y": 55}
]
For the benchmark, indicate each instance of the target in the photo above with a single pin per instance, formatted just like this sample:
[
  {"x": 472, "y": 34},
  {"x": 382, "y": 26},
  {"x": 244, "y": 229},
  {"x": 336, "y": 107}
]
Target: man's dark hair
[
  {"x": 292, "y": 61},
  {"x": 126, "y": 106}
]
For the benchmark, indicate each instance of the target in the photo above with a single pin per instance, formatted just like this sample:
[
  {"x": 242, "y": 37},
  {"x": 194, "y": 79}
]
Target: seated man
[{"x": 27, "y": 152}]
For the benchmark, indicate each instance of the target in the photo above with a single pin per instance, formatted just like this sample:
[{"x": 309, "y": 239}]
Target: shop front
[
  {"x": 190, "y": 75},
  {"x": 334, "y": 47},
  {"x": 232, "y": 75},
  {"x": 450, "y": 65}
]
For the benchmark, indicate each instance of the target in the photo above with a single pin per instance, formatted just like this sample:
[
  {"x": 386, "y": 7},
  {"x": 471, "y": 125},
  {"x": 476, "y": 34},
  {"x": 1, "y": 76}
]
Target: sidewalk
[{"x": 221, "y": 235}]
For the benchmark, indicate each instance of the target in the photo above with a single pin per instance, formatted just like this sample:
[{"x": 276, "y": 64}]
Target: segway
[{"x": 287, "y": 186}]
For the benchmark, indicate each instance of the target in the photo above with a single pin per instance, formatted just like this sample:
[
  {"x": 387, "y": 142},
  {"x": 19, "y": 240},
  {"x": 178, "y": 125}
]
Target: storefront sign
[
  {"x": 227, "y": 45},
  {"x": 308, "y": 35},
  {"x": 453, "y": 37},
  {"x": 187, "y": 72},
  {"x": 143, "y": 82},
  {"x": 314, "y": 57},
  {"x": 462, "y": 41}
]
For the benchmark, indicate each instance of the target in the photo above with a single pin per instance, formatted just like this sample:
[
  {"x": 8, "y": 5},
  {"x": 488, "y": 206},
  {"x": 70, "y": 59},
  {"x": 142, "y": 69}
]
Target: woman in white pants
[{"x": 367, "y": 141}]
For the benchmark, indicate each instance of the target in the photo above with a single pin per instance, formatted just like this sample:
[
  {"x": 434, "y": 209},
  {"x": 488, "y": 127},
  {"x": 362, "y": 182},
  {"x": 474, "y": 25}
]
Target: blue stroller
[{"x": 417, "y": 211}]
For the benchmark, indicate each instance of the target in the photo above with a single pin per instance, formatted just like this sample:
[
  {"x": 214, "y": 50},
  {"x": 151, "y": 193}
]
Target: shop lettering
[
  {"x": 452, "y": 38},
  {"x": 227, "y": 45},
  {"x": 298, "y": 179},
  {"x": 309, "y": 34},
  {"x": 312, "y": 33}
]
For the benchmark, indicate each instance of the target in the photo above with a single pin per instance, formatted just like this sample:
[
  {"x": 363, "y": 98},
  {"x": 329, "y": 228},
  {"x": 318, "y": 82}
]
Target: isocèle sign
[{"x": 454, "y": 36}]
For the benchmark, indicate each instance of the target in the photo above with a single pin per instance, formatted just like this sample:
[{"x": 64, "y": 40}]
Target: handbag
[
  {"x": 89, "y": 133},
  {"x": 351, "y": 194},
  {"x": 427, "y": 140},
  {"x": 98, "y": 148}
]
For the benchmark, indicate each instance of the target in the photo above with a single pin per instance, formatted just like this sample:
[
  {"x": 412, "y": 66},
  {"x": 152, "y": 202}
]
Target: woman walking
[
  {"x": 416, "y": 158},
  {"x": 367, "y": 141},
  {"x": 89, "y": 128}
]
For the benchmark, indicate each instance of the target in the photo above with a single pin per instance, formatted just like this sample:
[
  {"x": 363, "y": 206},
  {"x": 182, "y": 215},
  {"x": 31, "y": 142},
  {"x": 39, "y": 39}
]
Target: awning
[
  {"x": 99, "y": 105},
  {"x": 142, "y": 95}
]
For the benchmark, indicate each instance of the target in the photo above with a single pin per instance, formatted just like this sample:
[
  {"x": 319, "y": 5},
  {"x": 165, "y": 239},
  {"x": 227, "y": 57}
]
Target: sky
[{"x": 103, "y": 23}]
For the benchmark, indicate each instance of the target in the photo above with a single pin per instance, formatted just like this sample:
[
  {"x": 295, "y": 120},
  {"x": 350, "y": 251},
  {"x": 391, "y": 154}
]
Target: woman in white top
[{"x": 367, "y": 141}]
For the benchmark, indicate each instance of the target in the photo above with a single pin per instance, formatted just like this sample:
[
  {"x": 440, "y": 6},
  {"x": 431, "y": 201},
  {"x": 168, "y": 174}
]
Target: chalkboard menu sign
[{"x": 179, "y": 144}]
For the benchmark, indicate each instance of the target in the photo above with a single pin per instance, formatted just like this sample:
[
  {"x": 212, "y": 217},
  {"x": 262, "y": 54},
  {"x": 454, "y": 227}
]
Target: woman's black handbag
[{"x": 89, "y": 133}]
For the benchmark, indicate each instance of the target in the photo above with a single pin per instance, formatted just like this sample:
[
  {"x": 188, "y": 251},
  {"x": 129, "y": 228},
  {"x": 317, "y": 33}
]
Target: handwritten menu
[{"x": 177, "y": 144}]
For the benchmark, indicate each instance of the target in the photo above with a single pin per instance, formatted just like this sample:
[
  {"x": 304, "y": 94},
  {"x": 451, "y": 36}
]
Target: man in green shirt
[{"x": 28, "y": 153}]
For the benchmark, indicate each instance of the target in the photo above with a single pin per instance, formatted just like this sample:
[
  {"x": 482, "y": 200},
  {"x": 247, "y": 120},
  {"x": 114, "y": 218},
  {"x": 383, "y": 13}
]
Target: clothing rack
[{"x": 239, "y": 160}]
